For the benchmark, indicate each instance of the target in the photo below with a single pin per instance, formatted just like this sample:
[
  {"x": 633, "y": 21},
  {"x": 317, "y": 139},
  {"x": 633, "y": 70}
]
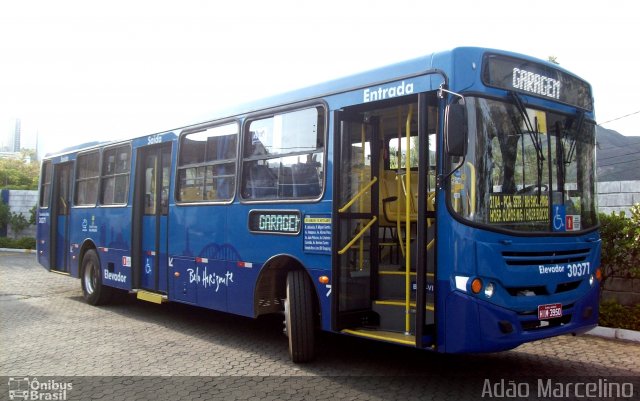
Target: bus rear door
[
  {"x": 60, "y": 208},
  {"x": 151, "y": 205}
]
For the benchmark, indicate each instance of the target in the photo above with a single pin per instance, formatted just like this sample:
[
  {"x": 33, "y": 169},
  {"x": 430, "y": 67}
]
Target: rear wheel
[
  {"x": 92, "y": 289},
  {"x": 299, "y": 318}
]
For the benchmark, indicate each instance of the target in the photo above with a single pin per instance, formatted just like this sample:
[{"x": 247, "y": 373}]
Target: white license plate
[{"x": 549, "y": 311}]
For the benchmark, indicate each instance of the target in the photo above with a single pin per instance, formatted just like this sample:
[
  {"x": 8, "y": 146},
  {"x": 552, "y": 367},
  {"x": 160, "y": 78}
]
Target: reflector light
[{"x": 476, "y": 285}]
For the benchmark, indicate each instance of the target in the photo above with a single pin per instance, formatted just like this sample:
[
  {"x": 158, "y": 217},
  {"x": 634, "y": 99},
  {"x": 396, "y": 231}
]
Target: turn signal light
[
  {"x": 599, "y": 274},
  {"x": 323, "y": 280},
  {"x": 476, "y": 286}
]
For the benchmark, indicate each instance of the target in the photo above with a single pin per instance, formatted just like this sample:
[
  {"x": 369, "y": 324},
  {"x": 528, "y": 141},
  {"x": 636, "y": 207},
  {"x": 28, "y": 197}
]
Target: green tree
[{"x": 16, "y": 174}]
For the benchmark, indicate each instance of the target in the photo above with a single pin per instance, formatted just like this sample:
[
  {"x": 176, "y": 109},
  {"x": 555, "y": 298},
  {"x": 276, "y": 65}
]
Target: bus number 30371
[{"x": 578, "y": 269}]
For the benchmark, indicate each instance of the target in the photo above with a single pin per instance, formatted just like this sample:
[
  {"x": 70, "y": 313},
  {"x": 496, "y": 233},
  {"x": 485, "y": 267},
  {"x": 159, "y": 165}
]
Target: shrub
[
  {"x": 26, "y": 243},
  {"x": 620, "y": 244},
  {"x": 612, "y": 314},
  {"x": 22, "y": 243}
]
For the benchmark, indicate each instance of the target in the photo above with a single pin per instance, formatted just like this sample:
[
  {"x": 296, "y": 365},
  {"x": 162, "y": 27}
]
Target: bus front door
[
  {"x": 384, "y": 258},
  {"x": 356, "y": 198},
  {"x": 62, "y": 179},
  {"x": 150, "y": 218}
]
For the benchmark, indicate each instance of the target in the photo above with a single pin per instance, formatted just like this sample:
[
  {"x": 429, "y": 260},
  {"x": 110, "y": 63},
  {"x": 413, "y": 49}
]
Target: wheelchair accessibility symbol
[{"x": 559, "y": 218}]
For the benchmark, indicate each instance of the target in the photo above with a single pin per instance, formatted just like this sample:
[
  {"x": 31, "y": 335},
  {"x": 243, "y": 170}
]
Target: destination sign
[
  {"x": 518, "y": 208},
  {"x": 275, "y": 221},
  {"x": 536, "y": 79}
]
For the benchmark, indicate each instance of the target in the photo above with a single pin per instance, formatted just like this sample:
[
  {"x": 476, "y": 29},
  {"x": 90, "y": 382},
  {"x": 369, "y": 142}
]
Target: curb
[
  {"x": 618, "y": 334},
  {"x": 13, "y": 250}
]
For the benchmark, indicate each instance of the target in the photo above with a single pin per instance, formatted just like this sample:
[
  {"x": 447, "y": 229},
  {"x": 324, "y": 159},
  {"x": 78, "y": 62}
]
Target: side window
[
  {"x": 116, "y": 165},
  {"x": 283, "y": 156},
  {"x": 45, "y": 184},
  {"x": 207, "y": 165},
  {"x": 87, "y": 177}
]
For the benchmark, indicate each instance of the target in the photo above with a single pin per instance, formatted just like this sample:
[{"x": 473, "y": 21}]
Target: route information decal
[
  {"x": 518, "y": 208},
  {"x": 317, "y": 234}
]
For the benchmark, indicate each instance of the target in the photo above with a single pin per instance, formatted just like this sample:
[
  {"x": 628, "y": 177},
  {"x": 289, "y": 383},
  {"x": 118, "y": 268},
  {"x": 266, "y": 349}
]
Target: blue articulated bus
[{"x": 444, "y": 203}]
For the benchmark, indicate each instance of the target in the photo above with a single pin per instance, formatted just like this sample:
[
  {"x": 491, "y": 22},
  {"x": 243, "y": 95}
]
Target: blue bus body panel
[
  {"x": 109, "y": 230},
  {"x": 213, "y": 272},
  {"x": 43, "y": 229}
]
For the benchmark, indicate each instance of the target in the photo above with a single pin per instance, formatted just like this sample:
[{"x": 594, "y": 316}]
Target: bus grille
[
  {"x": 542, "y": 290},
  {"x": 538, "y": 258},
  {"x": 545, "y": 257}
]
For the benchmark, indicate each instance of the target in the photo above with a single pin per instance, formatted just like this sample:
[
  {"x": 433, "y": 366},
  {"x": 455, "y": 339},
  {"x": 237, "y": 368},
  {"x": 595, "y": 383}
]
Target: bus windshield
[{"x": 526, "y": 169}]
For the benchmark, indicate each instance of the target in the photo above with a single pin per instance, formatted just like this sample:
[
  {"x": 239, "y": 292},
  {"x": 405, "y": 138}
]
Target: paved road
[{"x": 136, "y": 350}]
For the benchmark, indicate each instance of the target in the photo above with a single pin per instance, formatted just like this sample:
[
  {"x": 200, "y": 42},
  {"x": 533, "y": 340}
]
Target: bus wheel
[
  {"x": 92, "y": 289},
  {"x": 298, "y": 311}
]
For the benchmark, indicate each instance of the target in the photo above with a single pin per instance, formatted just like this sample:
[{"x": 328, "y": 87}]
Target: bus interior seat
[
  {"x": 393, "y": 203},
  {"x": 262, "y": 182},
  {"x": 306, "y": 182}
]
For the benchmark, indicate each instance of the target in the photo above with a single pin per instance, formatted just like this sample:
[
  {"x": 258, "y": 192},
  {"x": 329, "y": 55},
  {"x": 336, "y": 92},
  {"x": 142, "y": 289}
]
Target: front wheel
[
  {"x": 92, "y": 289},
  {"x": 298, "y": 311}
]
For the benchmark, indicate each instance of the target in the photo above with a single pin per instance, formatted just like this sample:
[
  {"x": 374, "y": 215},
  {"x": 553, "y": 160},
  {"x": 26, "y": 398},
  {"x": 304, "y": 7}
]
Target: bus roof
[{"x": 442, "y": 60}]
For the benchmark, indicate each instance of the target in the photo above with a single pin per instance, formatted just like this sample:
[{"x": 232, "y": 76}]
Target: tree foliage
[{"x": 16, "y": 174}]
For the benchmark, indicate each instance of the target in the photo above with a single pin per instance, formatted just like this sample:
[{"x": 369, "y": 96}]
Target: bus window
[
  {"x": 207, "y": 164},
  {"x": 88, "y": 174},
  {"x": 115, "y": 175},
  {"x": 45, "y": 186},
  {"x": 284, "y": 155}
]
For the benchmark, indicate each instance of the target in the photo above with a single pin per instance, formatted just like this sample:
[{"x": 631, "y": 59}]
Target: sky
[{"x": 79, "y": 71}]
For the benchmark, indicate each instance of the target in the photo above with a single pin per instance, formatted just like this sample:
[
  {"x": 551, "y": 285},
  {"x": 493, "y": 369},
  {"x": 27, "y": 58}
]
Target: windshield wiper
[
  {"x": 534, "y": 134},
  {"x": 567, "y": 140},
  {"x": 568, "y": 157}
]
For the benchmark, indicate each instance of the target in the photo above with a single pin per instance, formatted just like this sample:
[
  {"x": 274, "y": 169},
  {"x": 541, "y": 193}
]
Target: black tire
[
  {"x": 92, "y": 289},
  {"x": 299, "y": 317}
]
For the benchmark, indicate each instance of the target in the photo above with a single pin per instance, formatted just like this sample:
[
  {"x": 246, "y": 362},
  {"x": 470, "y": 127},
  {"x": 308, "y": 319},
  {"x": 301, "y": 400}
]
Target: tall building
[{"x": 16, "y": 136}]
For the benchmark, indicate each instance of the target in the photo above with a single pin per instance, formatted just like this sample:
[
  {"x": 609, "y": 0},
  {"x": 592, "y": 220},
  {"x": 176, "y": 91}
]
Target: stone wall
[
  {"x": 617, "y": 196},
  {"x": 624, "y": 290},
  {"x": 21, "y": 202}
]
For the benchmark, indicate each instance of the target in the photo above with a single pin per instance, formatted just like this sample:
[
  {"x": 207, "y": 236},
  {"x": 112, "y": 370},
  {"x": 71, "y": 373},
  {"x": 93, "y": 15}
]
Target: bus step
[
  {"x": 382, "y": 335},
  {"x": 392, "y": 314},
  {"x": 151, "y": 296}
]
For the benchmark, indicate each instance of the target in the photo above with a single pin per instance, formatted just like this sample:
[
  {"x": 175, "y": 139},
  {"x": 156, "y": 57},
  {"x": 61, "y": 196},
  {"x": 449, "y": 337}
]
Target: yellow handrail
[
  {"x": 357, "y": 237},
  {"x": 358, "y": 195},
  {"x": 407, "y": 215},
  {"x": 398, "y": 217}
]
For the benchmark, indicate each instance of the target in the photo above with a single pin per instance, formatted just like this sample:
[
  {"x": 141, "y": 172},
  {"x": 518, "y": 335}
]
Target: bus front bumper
[{"x": 474, "y": 325}]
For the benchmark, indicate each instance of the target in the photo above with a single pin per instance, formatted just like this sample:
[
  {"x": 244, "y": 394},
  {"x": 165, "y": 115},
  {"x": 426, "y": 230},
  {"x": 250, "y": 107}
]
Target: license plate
[{"x": 549, "y": 311}]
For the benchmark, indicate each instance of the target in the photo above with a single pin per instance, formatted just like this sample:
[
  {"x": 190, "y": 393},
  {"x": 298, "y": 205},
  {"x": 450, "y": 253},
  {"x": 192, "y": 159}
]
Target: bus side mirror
[{"x": 456, "y": 130}]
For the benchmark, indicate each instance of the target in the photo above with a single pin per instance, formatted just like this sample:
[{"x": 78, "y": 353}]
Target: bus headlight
[
  {"x": 461, "y": 283},
  {"x": 488, "y": 290},
  {"x": 592, "y": 280}
]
